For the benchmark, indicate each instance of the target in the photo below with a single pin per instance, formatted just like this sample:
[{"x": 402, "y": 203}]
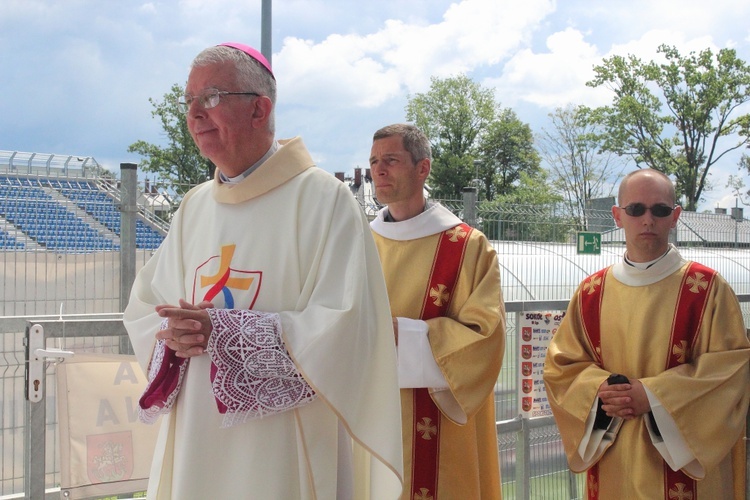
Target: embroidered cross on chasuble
[
  {"x": 696, "y": 283},
  {"x": 446, "y": 265}
]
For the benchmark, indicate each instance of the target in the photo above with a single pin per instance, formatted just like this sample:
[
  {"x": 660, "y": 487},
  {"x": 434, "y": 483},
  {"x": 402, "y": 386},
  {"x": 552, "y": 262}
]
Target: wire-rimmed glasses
[{"x": 207, "y": 99}]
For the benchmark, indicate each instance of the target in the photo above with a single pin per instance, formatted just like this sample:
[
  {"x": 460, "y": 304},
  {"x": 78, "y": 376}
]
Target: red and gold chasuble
[
  {"x": 426, "y": 425},
  {"x": 696, "y": 282}
]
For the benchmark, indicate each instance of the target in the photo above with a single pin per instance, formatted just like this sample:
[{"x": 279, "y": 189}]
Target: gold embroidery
[
  {"x": 424, "y": 494},
  {"x": 439, "y": 294},
  {"x": 456, "y": 233},
  {"x": 680, "y": 492},
  {"x": 426, "y": 428},
  {"x": 696, "y": 282},
  {"x": 680, "y": 351},
  {"x": 591, "y": 285}
]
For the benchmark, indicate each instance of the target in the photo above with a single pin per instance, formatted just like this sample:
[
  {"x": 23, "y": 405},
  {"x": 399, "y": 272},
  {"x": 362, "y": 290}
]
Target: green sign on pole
[{"x": 589, "y": 243}]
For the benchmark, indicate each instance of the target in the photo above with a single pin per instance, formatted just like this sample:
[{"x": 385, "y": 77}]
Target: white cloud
[
  {"x": 148, "y": 8},
  {"x": 645, "y": 47},
  {"x": 694, "y": 18},
  {"x": 401, "y": 57},
  {"x": 554, "y": 78},
  {"x": 81, "y": 71},
  {"x": 336, "y": 72}
]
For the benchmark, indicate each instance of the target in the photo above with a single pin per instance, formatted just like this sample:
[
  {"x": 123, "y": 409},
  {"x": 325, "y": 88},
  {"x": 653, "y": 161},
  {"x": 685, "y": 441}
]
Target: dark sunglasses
[{"x": 638, "y": 209}]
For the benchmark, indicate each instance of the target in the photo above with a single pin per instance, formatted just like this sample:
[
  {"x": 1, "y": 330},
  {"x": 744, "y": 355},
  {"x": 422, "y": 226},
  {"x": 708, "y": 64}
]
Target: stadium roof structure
[
  {"x": 552, "y": 271},
  {"x": 49, "y": 164}
]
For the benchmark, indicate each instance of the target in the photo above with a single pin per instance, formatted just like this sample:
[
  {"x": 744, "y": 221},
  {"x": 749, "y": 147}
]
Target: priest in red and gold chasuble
[
  {"x": 675, "y": 330},
  {"x": 443, "y": 281}
]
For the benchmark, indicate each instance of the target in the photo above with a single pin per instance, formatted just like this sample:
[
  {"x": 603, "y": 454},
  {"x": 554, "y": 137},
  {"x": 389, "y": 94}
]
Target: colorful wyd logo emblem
[{"x": 216, "y": 281}]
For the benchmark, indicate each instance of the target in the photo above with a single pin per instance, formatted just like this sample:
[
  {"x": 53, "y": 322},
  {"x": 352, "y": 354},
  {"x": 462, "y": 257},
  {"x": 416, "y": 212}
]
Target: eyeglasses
[
  {"x": 208, "y": 99},
  {"x": 658, "y": 210}
]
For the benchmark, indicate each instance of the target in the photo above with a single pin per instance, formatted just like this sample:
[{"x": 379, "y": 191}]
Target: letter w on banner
[{"x": 104, "y": 449}]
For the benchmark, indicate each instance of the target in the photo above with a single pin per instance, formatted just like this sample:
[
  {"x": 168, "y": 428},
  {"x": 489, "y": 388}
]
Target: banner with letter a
[{"x": 104, "y": 450}]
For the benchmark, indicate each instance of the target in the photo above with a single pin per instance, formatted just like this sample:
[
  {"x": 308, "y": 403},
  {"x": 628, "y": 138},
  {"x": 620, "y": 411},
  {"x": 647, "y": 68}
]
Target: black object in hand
[
  {"x": 602, "y": 421},
  {"x": 616, "y": 378}
]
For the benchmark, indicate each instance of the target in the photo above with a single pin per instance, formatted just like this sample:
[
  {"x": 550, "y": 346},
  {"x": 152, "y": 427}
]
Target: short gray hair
[
  {"x": 415, "y": 141},
  {"x": 251, "y": 75}
]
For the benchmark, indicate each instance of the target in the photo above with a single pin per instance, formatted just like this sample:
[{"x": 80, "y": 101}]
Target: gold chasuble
[
  {"x": 679, "y": 330},
  {"x": 445, "y": 273}
]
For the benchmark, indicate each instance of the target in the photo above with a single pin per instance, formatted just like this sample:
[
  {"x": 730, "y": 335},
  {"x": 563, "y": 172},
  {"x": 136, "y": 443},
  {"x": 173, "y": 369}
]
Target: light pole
[{"x": 265, "y": 31}]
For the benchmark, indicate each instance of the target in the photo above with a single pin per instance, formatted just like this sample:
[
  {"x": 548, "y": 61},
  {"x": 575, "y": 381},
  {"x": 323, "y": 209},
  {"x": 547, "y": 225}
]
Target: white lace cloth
[
  {"x": 252, "y": 374},
  {"x": 255, "y": 376}
]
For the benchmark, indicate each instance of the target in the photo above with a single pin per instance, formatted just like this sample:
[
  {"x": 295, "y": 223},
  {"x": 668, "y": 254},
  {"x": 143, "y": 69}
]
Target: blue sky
[{"x": 77, "y": 74}]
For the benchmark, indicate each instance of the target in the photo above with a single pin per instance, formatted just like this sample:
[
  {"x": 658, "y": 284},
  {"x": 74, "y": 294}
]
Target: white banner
[
  {"x": 104, "y": 449},
  {"x": 537, "y": 329}
]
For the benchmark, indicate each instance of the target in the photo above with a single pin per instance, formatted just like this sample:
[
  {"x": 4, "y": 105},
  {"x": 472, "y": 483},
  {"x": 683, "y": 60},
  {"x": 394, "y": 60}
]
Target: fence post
[
  {"x": 572, "y": 484},
  {"x": 470, "y": 206},
  {"x": 128, "y": 214},
  {"x": 523, "y": 461},
  {"x": 35, "y": 425}
]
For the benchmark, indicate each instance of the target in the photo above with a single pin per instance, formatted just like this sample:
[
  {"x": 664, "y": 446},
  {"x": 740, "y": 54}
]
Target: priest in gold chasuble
[
  {"x": 673, "y": 427},
  {"x": 443, "y": 281}
]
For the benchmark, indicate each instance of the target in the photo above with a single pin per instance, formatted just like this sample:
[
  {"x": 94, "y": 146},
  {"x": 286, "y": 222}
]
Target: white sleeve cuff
[
  {"x": 416, "y": 364},
  {"x": 596, "y": 441},
  {"x": 671, "y": 445}
]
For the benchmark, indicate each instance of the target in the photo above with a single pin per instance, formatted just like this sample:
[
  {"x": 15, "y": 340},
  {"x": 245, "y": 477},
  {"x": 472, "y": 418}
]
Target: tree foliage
[
  {"x": 506, "y": 151},
  {"x": 737, "y": 183},
  {"x": 532, "y": 189},
  {"x": 179, "y": 164},
  {"x": 527, "y": 213},
  {"x": 701, "y": 123},
  {"x": 580, "y": 170},
  {"x": 474, "y": 142}
]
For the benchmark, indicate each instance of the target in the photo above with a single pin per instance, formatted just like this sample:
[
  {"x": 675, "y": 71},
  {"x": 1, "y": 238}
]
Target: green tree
[
  {"x": 702, "y": 93},
  {"x": 506, "y": 151},
  {"x": 179, "y": 165},
  {"x": 533, "y": 189},
  {"x": 528, "y": 213},
  {"x": 580, "y": 170},
  {"x": 452, "y": 114},
  {"x": 737, "y": 183},
  {"x": 474, "y": 141}
]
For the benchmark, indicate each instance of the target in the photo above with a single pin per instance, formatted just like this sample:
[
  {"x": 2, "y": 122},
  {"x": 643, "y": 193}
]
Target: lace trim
[
  {"x": 254, "y": 375},
  {"x": 162, "y": 403}
]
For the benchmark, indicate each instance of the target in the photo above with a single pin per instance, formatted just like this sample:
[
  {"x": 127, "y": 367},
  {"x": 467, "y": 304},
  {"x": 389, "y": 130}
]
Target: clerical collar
[
  {"x": 239, "y": 178},
  {"x": 645, "y": 265},
  {"x": 388, "y": 218}
]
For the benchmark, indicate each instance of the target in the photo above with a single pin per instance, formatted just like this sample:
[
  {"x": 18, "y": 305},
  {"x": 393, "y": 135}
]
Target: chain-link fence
[{"x": 539, "y": 257}]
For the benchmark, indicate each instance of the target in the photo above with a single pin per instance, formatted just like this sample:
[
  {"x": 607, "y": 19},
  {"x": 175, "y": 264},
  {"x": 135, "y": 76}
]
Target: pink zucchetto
[{"x": 252, "y": 53}]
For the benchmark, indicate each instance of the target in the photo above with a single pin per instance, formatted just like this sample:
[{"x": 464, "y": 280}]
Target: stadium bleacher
[
  {"x": 10, "y": 242},
  {"x": 64, "y": 215}
]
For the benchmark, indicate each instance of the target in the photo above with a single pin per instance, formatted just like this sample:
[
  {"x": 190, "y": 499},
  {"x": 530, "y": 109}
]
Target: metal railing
[
  {"x": 529, "y": 241},
  {"x": 531, "y": 455}
]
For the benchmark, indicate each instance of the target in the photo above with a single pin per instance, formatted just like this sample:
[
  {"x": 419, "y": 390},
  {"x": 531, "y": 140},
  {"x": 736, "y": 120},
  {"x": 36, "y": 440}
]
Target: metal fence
[
  {"x": 531, "y": 455},
  {"x": 532, "y": 459},
  {"x": 69, "y": 292}
]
